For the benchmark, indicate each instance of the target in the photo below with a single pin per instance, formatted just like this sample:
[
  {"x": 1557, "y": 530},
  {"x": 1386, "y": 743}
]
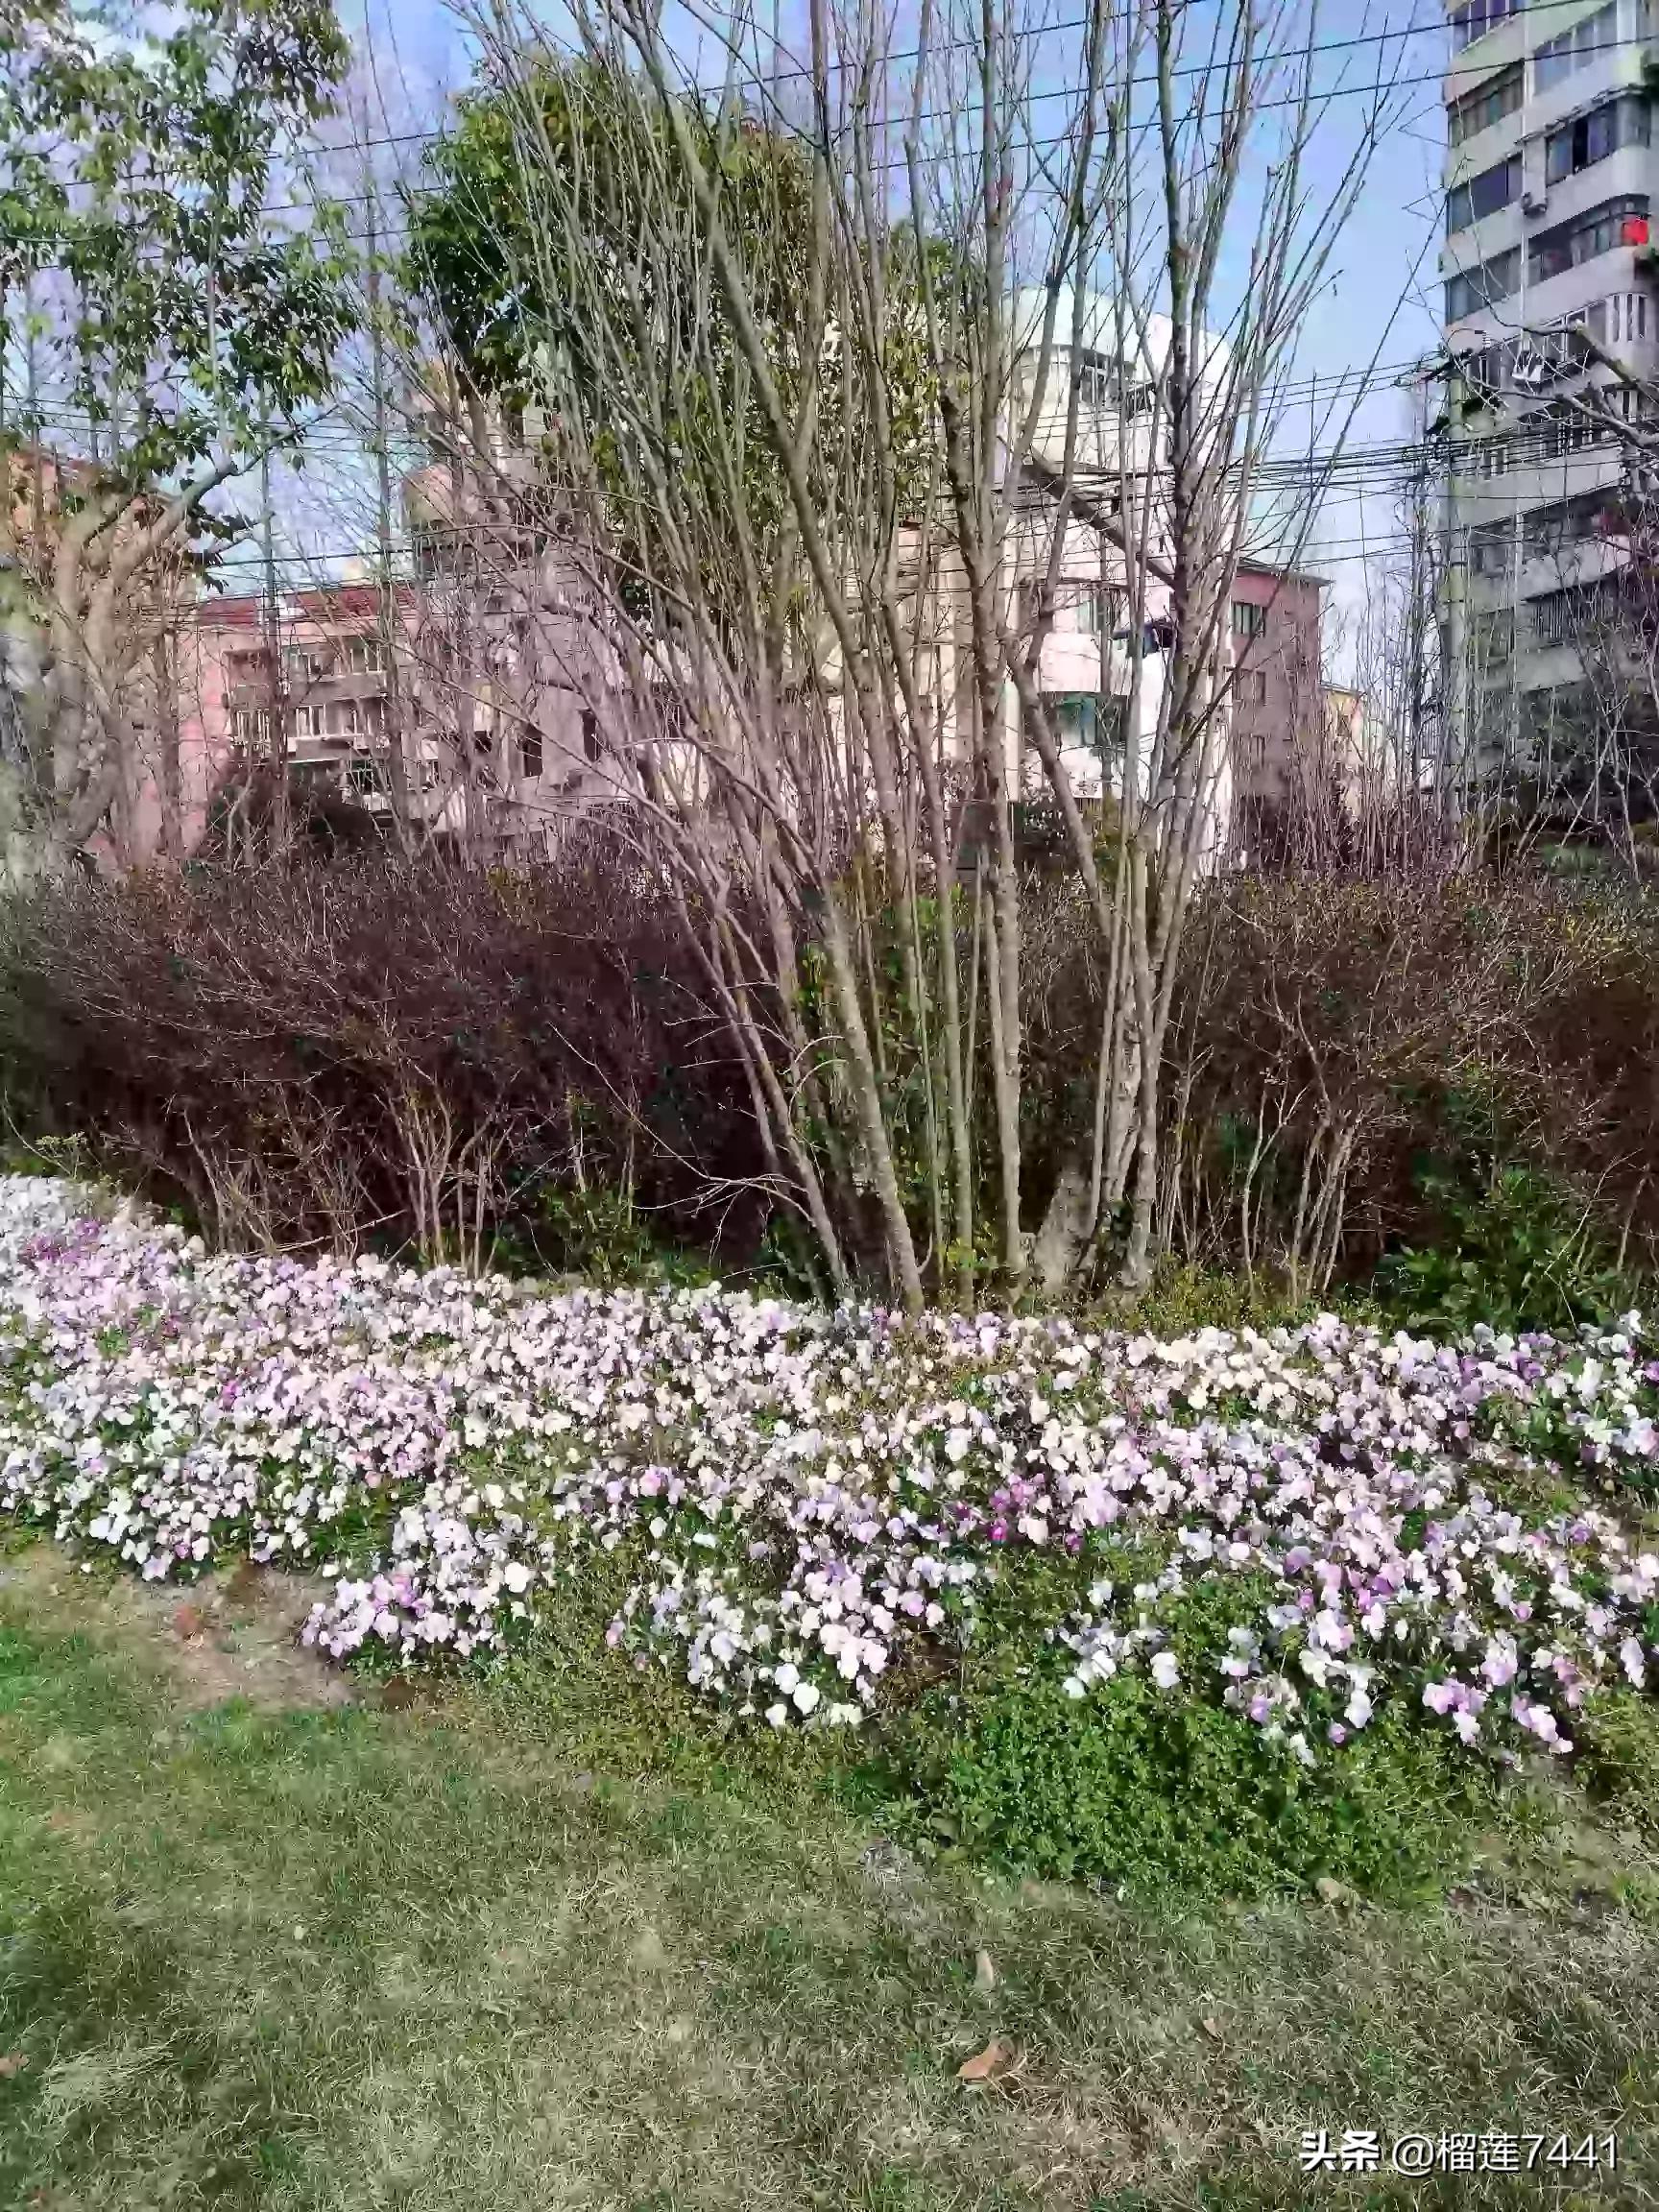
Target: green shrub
[
  {"x": 598, "y": 1232},
  {"x": 1518, "y": 1253},
  {"x": 1157, "y": 1791}
]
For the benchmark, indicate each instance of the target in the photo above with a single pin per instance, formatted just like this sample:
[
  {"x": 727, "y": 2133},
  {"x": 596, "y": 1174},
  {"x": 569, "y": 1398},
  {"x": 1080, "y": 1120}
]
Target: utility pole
[
  {"x": 274, "y": 656},
  {"x": 461, "y": 572},
  {"x": 397, "y": 762},
  {"x": 1455, "y": 654}
]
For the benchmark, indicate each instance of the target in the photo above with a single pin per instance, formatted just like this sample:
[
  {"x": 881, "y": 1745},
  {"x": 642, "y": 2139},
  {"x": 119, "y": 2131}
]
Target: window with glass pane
[
  {"x": 1087, "y": 721},
  {"x": 1097, "y": 612},
  {"x": 1486, "y": 104},
  {"x": 1476, "y": 17},
  {"x": 1575, "y": 48},
  {"x": 1483, "y": 195},
  {"x": 1598, "y": 230},
  {"x": 1074, "y": 720},
  {"x": 1467, "y": 293},
  {"x": 1490, "y": 547},
  {"x": 1492, "y": 638},
  {"x": 1587, "y": 139}
]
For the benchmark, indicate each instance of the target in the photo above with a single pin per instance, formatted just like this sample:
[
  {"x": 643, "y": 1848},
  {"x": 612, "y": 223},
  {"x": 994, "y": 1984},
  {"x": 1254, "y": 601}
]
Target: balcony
[{"x": 339, "y": 683}]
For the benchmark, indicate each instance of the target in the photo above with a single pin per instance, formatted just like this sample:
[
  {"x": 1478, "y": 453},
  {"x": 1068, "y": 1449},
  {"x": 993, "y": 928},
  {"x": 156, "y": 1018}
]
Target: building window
[
  {"x": 1485, "y": 458},
  {"x": 1483, "y": 195},
  {"x": 1473, "y": 289},
  {"x": 1492, "y": 639},
  {"x": 1591, "y": 138},
  {"x": 1096, "y": 379},
  {"x": 1622, "y": 222},
  {"x": 1570, "y": 50},
  {"x": 1563, "y": 618},
  {"x": 363, "y": 778},
  {"x": 1596, "y": 517},
  {"x": 1491, "y": 548},
  {"x": 1248, "y": 619},
  {"x": 364, "y": 656},
  {"x": 1489, "y": 104},
  {"x": 251, "y": 726},
  {"x": 1098, "y": 612},
  {"x": 529, "y": 752},
  {"x": 1087, "y": 722},
  {"x": 1251, "y": 687},
  {"x": 1628, "y": 318},
  {"x": 307, "y": 664},
  {"x": 1476, "y": 17}
]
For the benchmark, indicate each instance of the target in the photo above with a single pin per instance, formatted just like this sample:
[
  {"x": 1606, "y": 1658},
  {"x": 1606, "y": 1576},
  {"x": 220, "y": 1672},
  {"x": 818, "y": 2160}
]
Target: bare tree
[{"x": 854, "y": 375}]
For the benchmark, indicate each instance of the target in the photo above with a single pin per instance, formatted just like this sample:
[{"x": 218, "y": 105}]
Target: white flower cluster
[{"x": 809, "y": 1498}]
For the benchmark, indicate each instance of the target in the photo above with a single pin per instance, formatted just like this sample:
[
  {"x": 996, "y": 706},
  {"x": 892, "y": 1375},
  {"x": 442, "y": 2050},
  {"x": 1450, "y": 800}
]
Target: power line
[
  {"x": 1372, "y": 90},
  {"x": 1071, "y": 91},
  {"x": 1365, "y": 380},
  {"x": 763, "y": 80}
]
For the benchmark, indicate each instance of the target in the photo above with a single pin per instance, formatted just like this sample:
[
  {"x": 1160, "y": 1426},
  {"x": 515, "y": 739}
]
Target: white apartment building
[
  {"x": 1097, "y": 686},
  {"x": 1552, "y": 171}
]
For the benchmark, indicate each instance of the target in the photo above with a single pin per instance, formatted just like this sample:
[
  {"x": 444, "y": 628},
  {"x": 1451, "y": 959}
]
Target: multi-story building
[
  {"x": 1550, "y": 176},
  {"x": 366, "y": 698},
  {"x": 1103, "y": 681},
  {"x": 318, "y": 685},
  {"x": 1276, "y": 619},
  {"x": 1270, "y": 729}
]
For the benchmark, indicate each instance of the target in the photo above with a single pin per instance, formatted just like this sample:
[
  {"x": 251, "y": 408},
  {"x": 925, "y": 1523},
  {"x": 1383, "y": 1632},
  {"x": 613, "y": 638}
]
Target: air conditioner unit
[{"x": 1533, "y": 203}]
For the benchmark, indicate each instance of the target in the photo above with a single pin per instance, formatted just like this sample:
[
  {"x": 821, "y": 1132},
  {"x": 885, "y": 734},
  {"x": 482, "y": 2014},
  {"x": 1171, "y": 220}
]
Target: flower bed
[{"x": 807, "y": 1500}]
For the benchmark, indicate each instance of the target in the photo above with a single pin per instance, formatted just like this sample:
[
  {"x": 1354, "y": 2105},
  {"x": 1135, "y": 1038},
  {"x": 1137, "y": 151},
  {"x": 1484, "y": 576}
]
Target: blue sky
[{"x": 1379, "y": 298}]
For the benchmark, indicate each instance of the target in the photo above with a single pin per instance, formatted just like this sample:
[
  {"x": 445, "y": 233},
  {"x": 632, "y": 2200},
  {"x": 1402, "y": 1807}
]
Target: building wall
[
  {"x": 522, "y": 691},
  {"x": 1275, "y": 621},
  {"x": 1529, "y": 103}
]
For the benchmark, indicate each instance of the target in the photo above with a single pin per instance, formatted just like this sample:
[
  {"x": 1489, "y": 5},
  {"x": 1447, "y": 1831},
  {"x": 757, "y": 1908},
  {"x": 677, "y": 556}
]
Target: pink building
[
  {"x": 495, "y": 734},
  {"x": 1278, "y": 695}
]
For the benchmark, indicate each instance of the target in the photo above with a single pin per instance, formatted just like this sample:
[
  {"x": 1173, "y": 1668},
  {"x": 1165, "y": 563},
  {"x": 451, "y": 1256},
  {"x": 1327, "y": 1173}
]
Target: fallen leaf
[
  {"x": 188, "y": 1623},
  {"x": 11, "y": 2062},
  {"x": 245, "y": 1584},
  {"x": 984, "y": 1973},
  {"x": 985, "y": 2065},
  {"x": 1211, "y": 2027}
]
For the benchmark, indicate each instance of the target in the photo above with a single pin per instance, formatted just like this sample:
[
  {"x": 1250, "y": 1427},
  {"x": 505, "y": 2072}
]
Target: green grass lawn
[{"x": 504, "y": 1949}]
